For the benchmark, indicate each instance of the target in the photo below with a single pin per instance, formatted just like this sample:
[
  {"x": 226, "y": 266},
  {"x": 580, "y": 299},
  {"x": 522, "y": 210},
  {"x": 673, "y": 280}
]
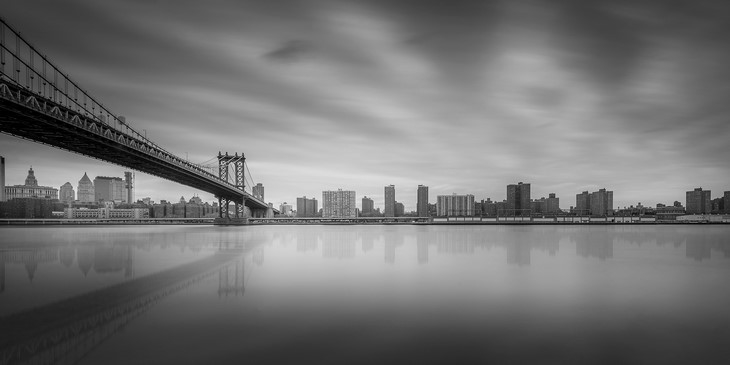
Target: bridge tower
[{"x": 224, "y": 164}]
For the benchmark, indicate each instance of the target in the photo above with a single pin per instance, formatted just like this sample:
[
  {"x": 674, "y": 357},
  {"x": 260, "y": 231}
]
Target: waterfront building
[
  {"x": 367, "y": 206},
  {"x": 582, "y": 203},
  {"x": 258, "y": 191},
  {"x": 338, "y": 204},
  {"x": 2, "y": 179},
  {"x": 106, "y": 213},
  {"x": 30, "y": 189},
  {"x": 66, "y": 193},
  {"x": 306, "y": 207},
  {"x": 85, "y": 190},
  {"x": 400, "y": 209},
  {"x": 726, "y": 199},
  {"x": 518, "y": 199},
  {"x": 285, "y": 209},
  {"x": 552, "y": 204},
  {"x": 698, "y": 201},
  {"x": 601, "y": 202},
  {"x": 109, "y": 189},
  {"x": 390, "y": 201},
  {"x": 538, "y": 206},
  {"x": 422, "y": 201},
  {"x": 455, "y": 205},
  {"x": 129, "y": 186}
]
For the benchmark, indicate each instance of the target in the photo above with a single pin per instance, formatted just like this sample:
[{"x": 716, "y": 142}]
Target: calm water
[{"x": 365, "y": 294}]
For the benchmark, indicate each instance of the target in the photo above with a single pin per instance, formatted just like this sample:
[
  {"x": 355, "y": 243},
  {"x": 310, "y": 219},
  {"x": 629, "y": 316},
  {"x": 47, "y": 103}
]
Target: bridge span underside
[{"x": 28, "y": 115}]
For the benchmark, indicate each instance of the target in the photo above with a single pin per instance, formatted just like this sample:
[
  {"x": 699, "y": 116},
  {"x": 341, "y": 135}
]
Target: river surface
[{"x": 365, "y": 294}]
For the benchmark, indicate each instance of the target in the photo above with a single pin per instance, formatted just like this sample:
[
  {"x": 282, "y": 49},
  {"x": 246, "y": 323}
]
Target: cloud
[
  {"x": 463, "y": 96},
  {"x": 290, "y": 51}
]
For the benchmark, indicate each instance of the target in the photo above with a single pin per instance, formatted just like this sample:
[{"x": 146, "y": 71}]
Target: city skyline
[
  {"x": 581, "y": 199},
  {"x": 515, "y": 92}
]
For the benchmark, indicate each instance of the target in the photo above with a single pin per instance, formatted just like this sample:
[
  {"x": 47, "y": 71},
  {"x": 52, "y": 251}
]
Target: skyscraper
[
  {"x": 390, "y": 201},
  {"x": 66, "y": 193},
  {"x": 306, "y": 207},
  {"x": 338, "y": 204},
  {"x": 109, "y": 189},
  {"x": 583, "y": 203},
  {"x": 422, "y": 201},
  {"x": 601, "y": 202},
  {"x": 85, "y": 190},
  {"x": 518, "y": 199},
  {"x": 455, "y": 205},
  {"x": 258, "y": 191},
  {"x": 698, "y": 201},
  {"x": 129, "y": 186},
  {"x": 367, "y": 205}
]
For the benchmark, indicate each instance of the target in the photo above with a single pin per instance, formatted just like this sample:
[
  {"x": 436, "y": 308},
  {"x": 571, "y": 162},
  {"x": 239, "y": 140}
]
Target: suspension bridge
[{"x": 40, "y": 103}]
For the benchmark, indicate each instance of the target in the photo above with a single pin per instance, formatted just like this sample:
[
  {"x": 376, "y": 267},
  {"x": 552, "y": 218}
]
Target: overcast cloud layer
[{"x": 462, "y": 96}]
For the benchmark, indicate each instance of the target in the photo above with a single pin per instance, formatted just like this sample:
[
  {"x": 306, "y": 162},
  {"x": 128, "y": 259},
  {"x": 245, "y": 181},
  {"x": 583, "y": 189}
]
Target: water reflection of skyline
[
  {"x": 102, "y": 313},
  {"x": 518, "y": 243}
]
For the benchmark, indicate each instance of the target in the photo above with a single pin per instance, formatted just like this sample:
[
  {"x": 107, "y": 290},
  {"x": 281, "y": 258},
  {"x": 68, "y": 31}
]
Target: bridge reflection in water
[{"x": 65, "y": 331}]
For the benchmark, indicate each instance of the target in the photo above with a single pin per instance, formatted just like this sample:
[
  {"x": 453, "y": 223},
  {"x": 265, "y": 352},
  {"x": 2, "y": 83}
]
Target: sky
[{"x": 462, "y": 96}]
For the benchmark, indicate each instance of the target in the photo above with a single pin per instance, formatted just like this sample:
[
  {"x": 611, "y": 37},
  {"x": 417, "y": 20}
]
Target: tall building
[
  {"x": 553, "y": 204},
  {"x": 285, "y": 209},
  {"x": 66, "y": 193},
  {"x": 258, "y": 191},
  {"x": 726, "y": 198},
  {"x": 455, "y": 205},
  {"x": 390, "y": 201},
  {"x": 129, "y": 186},
  {"x": 518, "y": 199},
  {"x": 30, "y": 189},
  {"x": 582, "y": 203},
  {"x": 85, "y": 190},
  {"x": 368, "y": 206},
  {"x": 601, "y": 202},
  {"x": 338, "y": 204},
  {"x": 2, "y": 179},
  {"x": 698, "y": 201},
  {"x": 307, "y": 207},
  {"x": 422, "y": 201},
  {"x": 109, "y": 189}
]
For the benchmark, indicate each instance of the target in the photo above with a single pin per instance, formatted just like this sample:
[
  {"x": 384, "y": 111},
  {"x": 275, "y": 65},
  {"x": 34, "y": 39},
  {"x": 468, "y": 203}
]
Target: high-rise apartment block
[
  {"x": 368, "y": 206},
  {"x": 338, "y": 204},
  {"x": 85, "y": 190},
  {"x": 582, "y": 203},
  {"x": 307, "y": 207},
  {"x": 455, "y": 205},
  {"x": 390, "y": 201},
  {"x": 552, "y": 204},
  {"x": 698, "y": 201},
  {"x": 258, "y": 191},
  {"x": 518, "y": 199},
  {"x": 601, "y": 202},
  {"x": 422, "y": 201},
  {"x": 598, "y": 203},
  {"x": 66, "y": 193},
  {"x": 109, "y": 189}
]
